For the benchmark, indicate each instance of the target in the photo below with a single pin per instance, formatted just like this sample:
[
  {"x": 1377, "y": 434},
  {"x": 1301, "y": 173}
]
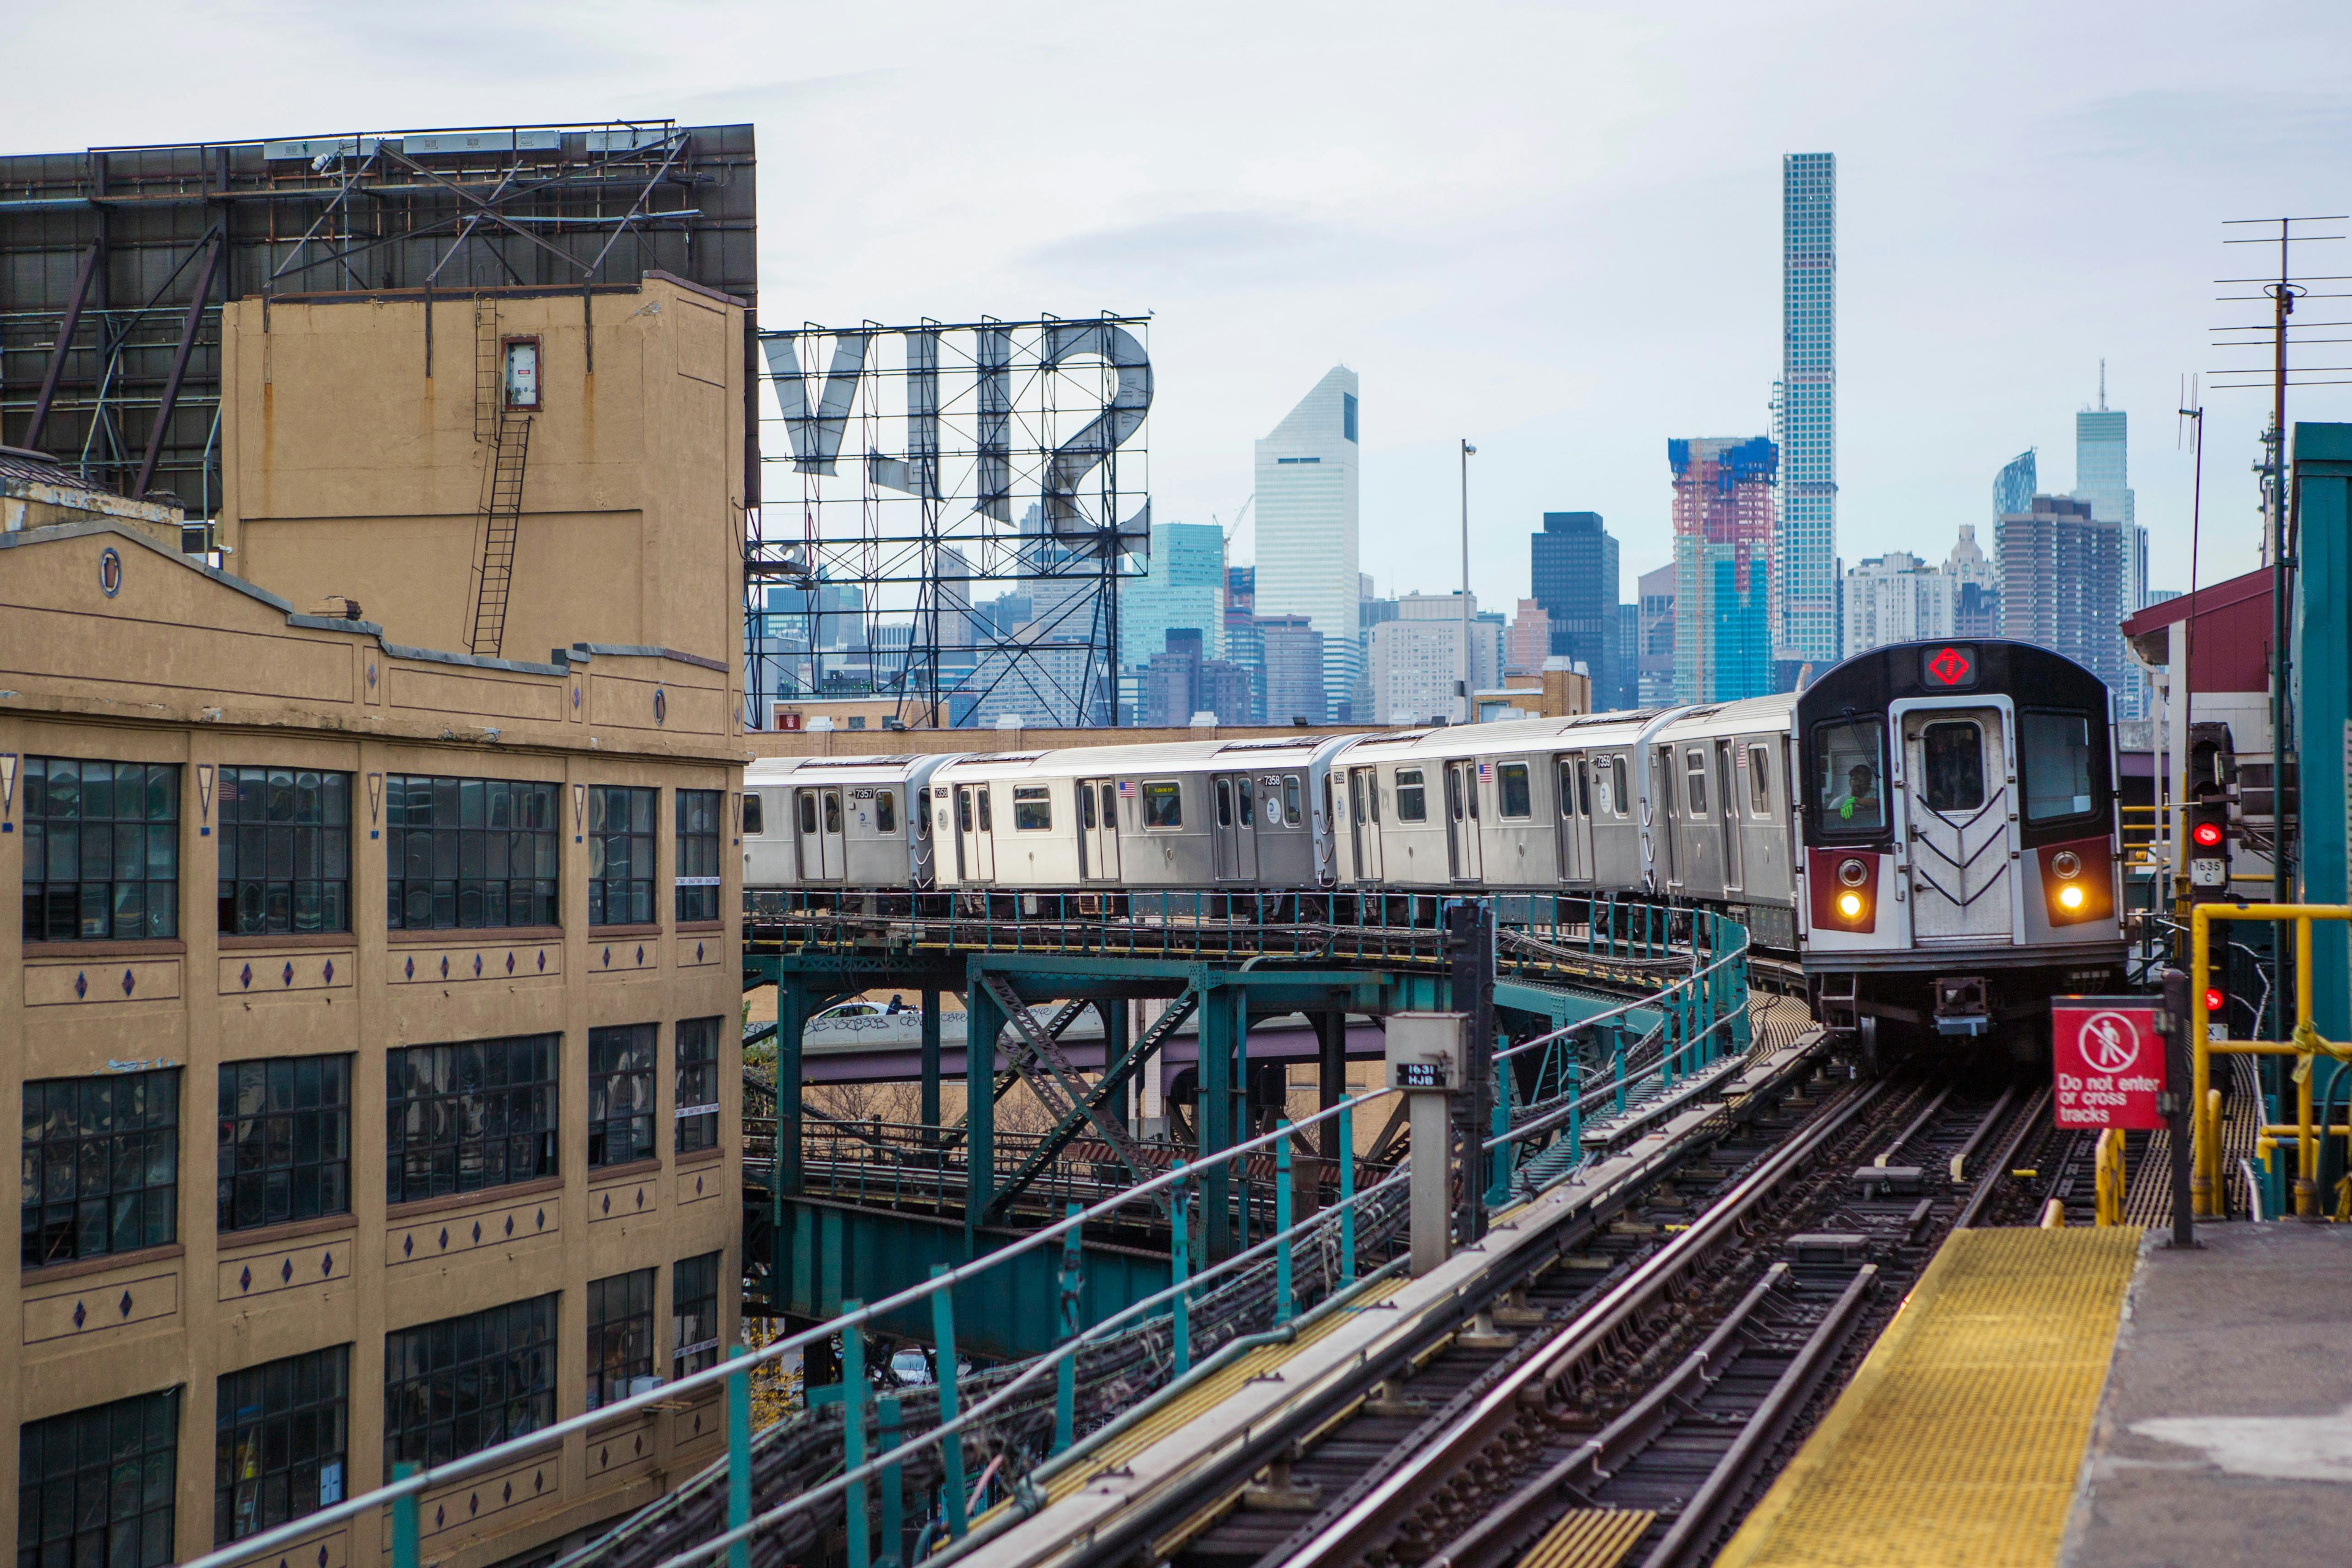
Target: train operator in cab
[{"x": 1858, "y": 806}]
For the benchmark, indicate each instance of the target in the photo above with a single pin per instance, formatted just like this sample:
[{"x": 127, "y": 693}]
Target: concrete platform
[
  {"x": 2225, "y": 1433},
  {"x": 2090, "y": 1398}
]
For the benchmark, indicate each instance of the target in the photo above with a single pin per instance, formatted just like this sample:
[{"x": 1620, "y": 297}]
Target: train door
[
  {"x": 1955, "y": 806},
  {"x": 1726, "y": 812},
  {"x": 1663, "y": 850},
  {"x": 1573, "y": 777},
  {"x": 944, "y": 801},
  {"x": 1098, "y": 830},
  {"x": 822, "y": 847},
  {"x": 975, "y": 833},
  {"x": 1364, "y": 821},
  {"x": 1235, "y": 826},
  {"x": 1462, "y": 820}
]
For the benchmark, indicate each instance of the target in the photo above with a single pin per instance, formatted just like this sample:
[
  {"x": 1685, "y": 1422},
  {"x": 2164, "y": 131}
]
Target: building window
[
  {"x": 697, "y": 853},
  {"x": 694, "y": 1313},
  {"x": 101, "y": 850},
  {"x": 279, "y": 1435},
  {"x": 285, "y": 1140},
  {"x": 96, "y": 1487},
  {"x": 467, "y": 854},
  {"x": 698, "y": 1084},
  {"x": 1348, "y": 415},
  {"x": 621, "y": 1094},
  {"x": 463, "y": 1118},
  {"x": 284, "y": 851},
  {"x": 463, "y": 1384},
  {"x": 101, "y": 1166},
  {"x": 620, "y": 1337},
  {"x": 621, "y": 855}
]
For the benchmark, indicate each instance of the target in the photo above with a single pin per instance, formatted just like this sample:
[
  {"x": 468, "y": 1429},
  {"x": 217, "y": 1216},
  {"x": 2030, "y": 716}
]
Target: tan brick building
[{"x": 372, "y": 1012}]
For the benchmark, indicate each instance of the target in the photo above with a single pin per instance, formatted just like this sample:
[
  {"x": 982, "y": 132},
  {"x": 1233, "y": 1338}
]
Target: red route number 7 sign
[{"x": 2107, "y": 1061}]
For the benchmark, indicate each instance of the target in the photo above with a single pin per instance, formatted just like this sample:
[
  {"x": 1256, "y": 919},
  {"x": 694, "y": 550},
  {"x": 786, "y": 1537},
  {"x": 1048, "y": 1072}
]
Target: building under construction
[{"x": 1723, "y": 563}]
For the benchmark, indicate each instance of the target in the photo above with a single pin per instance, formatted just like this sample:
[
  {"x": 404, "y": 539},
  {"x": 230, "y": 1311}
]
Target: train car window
[
  {"x": 1225, "y": 802},
  {"x": 1453, "y": 792},
  {"x": 1849, "y": 765},
  {"x": 1759, "y": 780},
  {"x": 1412, "y": 804},
  {"x": 1583, "y": 787},
  {"x": 1514, "y": 798},
  {"x": 964, "y": 810},
  {"x": 1085, "y": 807},
  {"x": 833, "y": 810},
  {"x": 1694, "y": 778},
  {"x": 1470, "y": 789},
  {"x": 1110, "y": 805},
  {"x": 1033, "y": 808},
  {"x": 1290, "y": 798},
  {"x": 1372, "y": 792},
  {"x": 808, "y": 811},
  {"x": 1163, "y": 804},
  {"x": 922, "y": 809},
  {"x": 1954, "y": 753},
  {"x": 1567, "y": 788},
  {"x": 751, "y": 821},
  {"x": 986, "y": 825},
  {"x": 886, "y": 811},
  {"x": 2057, "y": 748},
  {"x": 1356, "y": 796},
  {"x": 1242, "y": 788},
  {"x": 1618, "y": 794}
]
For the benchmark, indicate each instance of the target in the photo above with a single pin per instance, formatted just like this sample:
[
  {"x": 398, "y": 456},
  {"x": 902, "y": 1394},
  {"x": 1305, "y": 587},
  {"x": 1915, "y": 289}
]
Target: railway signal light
[{"x": 2209, "y": 848}]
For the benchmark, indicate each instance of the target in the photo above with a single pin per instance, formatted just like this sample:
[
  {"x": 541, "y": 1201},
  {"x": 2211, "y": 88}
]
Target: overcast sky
[{"x": 1552, "y": 229}]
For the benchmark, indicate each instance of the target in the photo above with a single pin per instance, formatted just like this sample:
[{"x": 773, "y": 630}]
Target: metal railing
[{"x": 2306, "y": 1045}]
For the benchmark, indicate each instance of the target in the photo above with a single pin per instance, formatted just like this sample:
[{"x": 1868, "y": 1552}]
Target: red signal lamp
[
  {"x": 2208, "y": 834},
  {"x": 2214, "y": 999}
]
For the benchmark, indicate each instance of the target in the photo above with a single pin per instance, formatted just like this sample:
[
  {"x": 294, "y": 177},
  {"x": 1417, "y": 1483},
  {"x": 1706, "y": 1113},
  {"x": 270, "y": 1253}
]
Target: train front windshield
[{"x": 1849, "y": 774}]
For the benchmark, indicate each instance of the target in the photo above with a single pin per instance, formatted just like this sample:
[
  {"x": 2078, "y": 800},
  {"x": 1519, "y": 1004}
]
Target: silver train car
[{"x": 1928, "y": 830}]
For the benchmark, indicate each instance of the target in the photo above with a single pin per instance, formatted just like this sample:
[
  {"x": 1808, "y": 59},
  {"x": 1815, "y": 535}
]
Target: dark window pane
[
  {"x": 696, "y": 1111},
  {"x": 458, "y": 1385},
  {"x": 101, "y": 1163},
  {"x": 460, "y": 1118},
  {"x": 467, "y": 839},
  {"x": 279, "y": 1435},
  {"x": 284, "y": 1131},
  {"x": 101, "y": 842}
]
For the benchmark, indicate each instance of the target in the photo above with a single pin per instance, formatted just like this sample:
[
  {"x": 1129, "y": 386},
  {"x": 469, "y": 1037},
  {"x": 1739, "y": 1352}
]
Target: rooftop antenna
[
  {"x": 2102, "y": 383},
  {"x": 2191, "y": 417}
]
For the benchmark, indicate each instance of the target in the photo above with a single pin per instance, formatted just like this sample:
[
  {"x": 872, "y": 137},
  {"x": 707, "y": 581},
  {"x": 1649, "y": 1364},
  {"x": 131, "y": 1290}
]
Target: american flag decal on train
[
  {"x": 1127, "y": 789},
  {"x": 1486, "y": 772}
]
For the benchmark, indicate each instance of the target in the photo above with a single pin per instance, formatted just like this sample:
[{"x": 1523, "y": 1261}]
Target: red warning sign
[{"x": 2108, "y": 1062}]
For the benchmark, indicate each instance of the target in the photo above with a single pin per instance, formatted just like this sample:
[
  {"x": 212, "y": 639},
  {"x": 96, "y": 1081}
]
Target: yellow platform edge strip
[{"x": 1958, "y": 1442}]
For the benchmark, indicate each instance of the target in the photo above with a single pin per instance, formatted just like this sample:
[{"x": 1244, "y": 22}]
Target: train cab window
[
  {"x": 986, "y": 825},
  {"x": 1248, "y": 796},
  {"x": 1513, "y": 796},
  {"x": 751, "y": 819},
  {"x": 1087, "y": 818},
  {"x": 1290, "y": 799},
  {"x": 2057, "y": 748},
  {"x": 886, "y": 811},
  {"x": 1954, "y": 755},
  {"x": 1849, "y": 768},
  {"x": 1760, "y": 781},
  {"x": 1163, "y": 804},
  {"x": 922, "y": 813},
  {"x": 1033, "y": 809},
  {"x": 808, "y": 811},
  {"x": 1110, "y": 805},
  {"x": 1695, "y": 778},
  {"x": 1412, "y": 804},
  {"x": 1620, "y": 798}
]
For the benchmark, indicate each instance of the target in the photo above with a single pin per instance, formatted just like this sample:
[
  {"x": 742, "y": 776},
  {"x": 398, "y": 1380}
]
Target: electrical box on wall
[
  {"x": 522, "y": 373},
  {"x": 1425, "y": 1050}
]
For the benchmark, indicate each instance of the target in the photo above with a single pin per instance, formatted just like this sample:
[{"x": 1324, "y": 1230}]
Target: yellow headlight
[
  {"x": 1849, "y": 905},
  {"x": 2070, "y": 897}
]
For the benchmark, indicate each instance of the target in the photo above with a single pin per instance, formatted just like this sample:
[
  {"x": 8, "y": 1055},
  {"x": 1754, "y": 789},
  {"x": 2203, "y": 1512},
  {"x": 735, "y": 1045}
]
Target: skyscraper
[
  {"x": 1805, "y": 540},
  {"x": 1574, "y": 574},
  {"x": 1896, "y": 597},
  {"x": 1722, "y": 539},
  {"x": 2061, "y": 573},
  {"x": 1655, "y": 684},
  {"x": 1306, "y": 477},
  {"x": 1185, "y": 587},
  {"x": 2014, "y": 488}
]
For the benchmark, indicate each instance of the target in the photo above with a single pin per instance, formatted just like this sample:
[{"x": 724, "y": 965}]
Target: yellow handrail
[
  {"x": 2305, "y": 1044},
  {"x": 2108, "y": 1178}
]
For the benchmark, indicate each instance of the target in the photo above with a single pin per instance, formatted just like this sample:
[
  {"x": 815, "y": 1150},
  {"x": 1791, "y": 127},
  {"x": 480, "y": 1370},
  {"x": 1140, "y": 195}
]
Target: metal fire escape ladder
[{"x": 508, "y": 434}]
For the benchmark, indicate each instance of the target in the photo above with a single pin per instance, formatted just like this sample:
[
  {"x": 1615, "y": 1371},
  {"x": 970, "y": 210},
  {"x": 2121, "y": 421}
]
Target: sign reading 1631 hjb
[{"x": 2107, "y": 1061}]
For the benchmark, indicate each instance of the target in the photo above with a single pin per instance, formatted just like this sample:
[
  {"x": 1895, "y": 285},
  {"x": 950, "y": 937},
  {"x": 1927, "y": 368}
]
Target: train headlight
[
  {"x": 2069, "y": 897},
  {"x": 1853, "y": 873},
  {"x": 1850, "y": 904},
  {"x": 2067, "y": 865}
]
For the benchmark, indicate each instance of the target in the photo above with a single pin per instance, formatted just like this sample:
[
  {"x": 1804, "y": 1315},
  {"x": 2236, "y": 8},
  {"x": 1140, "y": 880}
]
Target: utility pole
[{"x": 1468, "y": 451}]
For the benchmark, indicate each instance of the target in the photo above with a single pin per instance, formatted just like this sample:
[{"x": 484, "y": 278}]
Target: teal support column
[
  {"x": 739, "y": 1459},
  {"x": 404, "y": 1511},
  {"x": 943, "y": 1357},
  {"x": 1282, "y": 1208},
  {"x": 983, "y": 1021},
  {"x": 930, "y": 1066},
  {"x": 894, "y": 1492},
  {"x": 1347, "y": 1119},
  {"x": 1224, "y": 1049},
  {"x": 1498, "y": 1163},
  {"x": 1066, "y": 1371},
  {"x": 2321, "y": 691},
  {"x": 853, "y": 1435},
  {"x": 1180, "y": 1270}
]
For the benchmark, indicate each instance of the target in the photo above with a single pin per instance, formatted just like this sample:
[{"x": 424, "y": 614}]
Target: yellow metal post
[{"x": 2201, "y": 1180}]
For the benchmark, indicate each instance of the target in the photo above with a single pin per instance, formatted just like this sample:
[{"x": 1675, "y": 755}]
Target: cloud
[{"x": 2224, "y": 129}]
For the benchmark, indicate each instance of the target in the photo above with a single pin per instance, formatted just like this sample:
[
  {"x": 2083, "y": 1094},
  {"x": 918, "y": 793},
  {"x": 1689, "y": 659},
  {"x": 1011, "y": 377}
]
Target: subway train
[{"x": 1927, "y": 832}]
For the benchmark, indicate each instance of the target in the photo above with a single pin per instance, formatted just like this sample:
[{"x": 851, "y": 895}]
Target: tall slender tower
[
  {"x": 1805, "y": 541},
  {"x": 1307, "y": 527}
]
